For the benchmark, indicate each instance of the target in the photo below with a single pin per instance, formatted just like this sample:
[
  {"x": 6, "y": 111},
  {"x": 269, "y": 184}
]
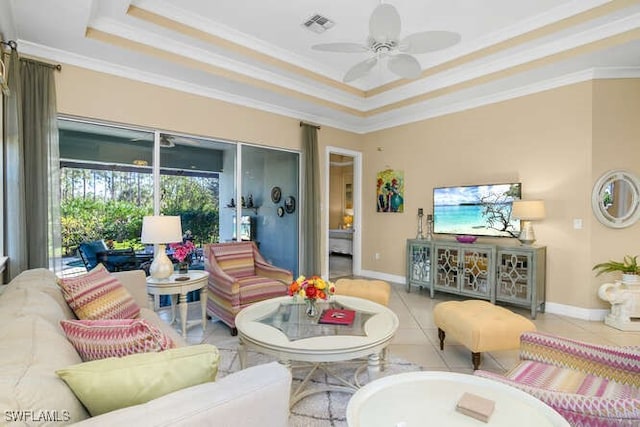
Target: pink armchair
[
  {"x": 590, "y": 385},
  {"x": 238, "y": 277}
]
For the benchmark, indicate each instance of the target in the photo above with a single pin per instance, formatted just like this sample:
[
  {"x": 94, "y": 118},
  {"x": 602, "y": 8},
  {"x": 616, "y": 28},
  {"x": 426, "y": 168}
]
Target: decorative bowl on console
[{"x": 466, "y": 239}]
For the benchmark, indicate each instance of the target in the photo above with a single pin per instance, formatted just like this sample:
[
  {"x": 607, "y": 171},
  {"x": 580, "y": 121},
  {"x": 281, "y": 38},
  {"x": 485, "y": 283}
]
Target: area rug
[{"x": 323, "y": 409}]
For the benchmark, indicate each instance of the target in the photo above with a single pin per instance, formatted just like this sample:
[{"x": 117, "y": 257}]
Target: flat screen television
[{"x": 479, "y": 210}]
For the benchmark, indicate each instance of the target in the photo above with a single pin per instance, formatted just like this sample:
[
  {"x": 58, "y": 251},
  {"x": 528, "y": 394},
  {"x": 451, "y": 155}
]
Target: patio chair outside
[{"x": 96, "y": 251}]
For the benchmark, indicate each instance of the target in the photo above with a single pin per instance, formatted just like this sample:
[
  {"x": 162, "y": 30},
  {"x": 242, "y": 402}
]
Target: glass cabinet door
[
  {"x": 419, "y": 265},
  {"x": 514, "y": 276},
  {"x": 447, "y": 268},
  {"x": 476, "y": 272}
]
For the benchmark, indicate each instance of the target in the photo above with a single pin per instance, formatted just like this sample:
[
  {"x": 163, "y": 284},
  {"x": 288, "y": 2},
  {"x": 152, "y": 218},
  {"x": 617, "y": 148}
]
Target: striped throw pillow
[
  {"x": 98, "y": 295},
  {"x": 99, "y": 339}
]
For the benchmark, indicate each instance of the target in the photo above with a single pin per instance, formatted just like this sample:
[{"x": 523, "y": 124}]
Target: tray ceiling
[{"x": 258, "y": 52}]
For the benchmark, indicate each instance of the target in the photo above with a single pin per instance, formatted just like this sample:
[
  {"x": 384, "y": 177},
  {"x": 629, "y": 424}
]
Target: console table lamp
[
  {"x": 161, "y": 230},
  {"x": 527, "y": 211}
]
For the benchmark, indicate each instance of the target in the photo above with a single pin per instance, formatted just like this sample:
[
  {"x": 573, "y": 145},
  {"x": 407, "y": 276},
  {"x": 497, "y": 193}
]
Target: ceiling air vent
[{"x": 318, "y": 23}]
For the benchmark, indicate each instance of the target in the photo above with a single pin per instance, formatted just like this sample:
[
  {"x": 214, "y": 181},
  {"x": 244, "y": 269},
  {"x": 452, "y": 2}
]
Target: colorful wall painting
[{"x": 390, "y": 191}]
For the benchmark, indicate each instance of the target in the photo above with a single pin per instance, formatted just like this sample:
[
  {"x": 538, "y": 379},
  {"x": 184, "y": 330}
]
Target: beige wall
[
  {"x": 557, "y": 143},
  {"x": 542, "y": 140},
  {"x": 616, "y": 145}
]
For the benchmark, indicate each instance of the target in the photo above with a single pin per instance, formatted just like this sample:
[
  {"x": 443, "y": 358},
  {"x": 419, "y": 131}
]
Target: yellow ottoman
[
  {"x": 480, "y": 326},
  {"x": 373, "y": 290}
]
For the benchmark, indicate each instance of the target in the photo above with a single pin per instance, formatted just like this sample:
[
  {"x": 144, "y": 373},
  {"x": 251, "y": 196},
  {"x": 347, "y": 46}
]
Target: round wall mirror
[{"x": 616, "y": 199}]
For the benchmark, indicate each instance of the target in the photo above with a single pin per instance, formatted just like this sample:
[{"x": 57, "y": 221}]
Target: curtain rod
[
  {"x": 57, "y": 67},
  {"x": 13, "y": 45},
  {"x": 310, "y": 124}
]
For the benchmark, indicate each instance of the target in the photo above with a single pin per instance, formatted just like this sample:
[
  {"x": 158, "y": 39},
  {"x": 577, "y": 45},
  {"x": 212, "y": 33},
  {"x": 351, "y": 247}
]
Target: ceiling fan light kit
[{"x": 384, "y": 41}]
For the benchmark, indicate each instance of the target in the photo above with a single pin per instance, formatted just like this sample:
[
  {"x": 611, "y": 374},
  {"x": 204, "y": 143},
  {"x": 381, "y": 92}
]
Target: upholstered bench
[
  {"x": 480, "y": 326},
  {"x": 373, "y": 290}
]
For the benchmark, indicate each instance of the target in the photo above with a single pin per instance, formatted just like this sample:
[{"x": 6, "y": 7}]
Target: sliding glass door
[{"x": 110, "y": 180}]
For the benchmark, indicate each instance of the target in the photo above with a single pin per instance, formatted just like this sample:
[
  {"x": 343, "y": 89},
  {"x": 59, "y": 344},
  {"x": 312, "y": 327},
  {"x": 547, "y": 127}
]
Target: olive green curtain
[
  {"x": 31, "y": 179},
  {"x": 310, "y": 262}
]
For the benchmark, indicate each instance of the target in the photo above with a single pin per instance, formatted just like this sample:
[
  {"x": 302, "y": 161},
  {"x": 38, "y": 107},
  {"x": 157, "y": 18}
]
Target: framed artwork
[
  {"x": 290, "y": 205},
  {"x": 390, "y": 191},
  {"x": 276, "y": 194}
]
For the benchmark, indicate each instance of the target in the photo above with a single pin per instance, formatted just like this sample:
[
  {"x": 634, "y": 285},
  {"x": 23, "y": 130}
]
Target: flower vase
[
  {"x": 312, "y": 309},
  {"x": 183, "y": 268}
]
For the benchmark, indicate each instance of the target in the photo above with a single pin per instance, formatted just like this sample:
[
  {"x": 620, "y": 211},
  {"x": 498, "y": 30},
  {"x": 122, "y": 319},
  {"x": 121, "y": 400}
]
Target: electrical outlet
[
  {"x": 377, "y": 255},
  {"x": 577, "y": 224}
]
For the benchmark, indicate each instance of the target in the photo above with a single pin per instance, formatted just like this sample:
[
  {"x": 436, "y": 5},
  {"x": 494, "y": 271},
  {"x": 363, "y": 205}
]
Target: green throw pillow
[{"x": 117, "y": 382}]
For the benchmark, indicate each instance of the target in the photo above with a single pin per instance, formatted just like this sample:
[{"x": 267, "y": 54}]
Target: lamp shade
[
  {"x": 528, "y": 210},
  {"x": 161, "y": 229}
]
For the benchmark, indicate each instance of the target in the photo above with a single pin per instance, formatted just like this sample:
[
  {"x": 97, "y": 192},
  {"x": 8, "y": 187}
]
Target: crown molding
[
  {"x": 45, "y": 52},
  {"x": 503, "y": 61},
  {"x": 424, "y": 110},
  {"x": 220, "y": 30},
  {"x": 616, "y": 73},
  {"x": 180, "y": 49},
  {"x": 552, "y": 16},
  {"x": 406, "y": 115}
]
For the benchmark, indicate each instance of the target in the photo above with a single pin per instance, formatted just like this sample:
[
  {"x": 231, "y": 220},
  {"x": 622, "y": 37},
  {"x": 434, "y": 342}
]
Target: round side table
[{"x": 174, "y": 285}]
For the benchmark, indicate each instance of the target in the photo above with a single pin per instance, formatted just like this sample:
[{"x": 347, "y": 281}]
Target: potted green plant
[{"x": 628, "y": 267}]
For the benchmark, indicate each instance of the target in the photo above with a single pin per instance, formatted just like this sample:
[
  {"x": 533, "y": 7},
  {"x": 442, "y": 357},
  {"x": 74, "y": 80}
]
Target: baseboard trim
[
  {"x": 383, "y": 276},
  {"x": 591, "y": 314}
]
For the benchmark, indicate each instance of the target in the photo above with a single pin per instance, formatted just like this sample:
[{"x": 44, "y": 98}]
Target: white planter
[{"x": 631, "y": 279}]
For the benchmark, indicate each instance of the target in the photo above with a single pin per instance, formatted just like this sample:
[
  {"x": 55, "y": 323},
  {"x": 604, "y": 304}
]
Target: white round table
[
  {"x": 173, "y": 285},
  {"x": 410, "y": 399},
  {"x": 279, "y": 327}
]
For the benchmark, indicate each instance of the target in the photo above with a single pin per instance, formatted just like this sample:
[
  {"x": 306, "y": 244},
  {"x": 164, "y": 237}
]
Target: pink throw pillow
[
  {"x": 99, "y": 339},
  {"x": 98, "y": 295}
]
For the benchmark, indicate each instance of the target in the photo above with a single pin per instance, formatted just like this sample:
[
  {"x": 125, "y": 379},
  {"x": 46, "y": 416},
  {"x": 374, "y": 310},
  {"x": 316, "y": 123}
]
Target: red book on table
[{"x": 337, "y": 316}]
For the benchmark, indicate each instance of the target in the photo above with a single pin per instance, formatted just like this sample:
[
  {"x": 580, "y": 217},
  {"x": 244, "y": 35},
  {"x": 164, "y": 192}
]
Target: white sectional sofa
[{"x": 33, "y": 346}]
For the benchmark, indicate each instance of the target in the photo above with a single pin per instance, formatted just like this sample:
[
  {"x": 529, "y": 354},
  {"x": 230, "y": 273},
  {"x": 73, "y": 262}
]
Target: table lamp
[
  {"x": 527, "y": 211},
  {"x": 161, "y": 230},
  {"x": 347, "y": 219}
]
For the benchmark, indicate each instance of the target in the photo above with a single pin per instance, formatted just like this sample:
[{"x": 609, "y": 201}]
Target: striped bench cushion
[{"x": 549, "y": 377}]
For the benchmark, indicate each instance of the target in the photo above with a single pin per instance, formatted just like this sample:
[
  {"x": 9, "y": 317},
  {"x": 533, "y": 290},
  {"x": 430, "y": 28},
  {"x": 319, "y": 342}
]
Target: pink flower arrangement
[{"x": 182, "y": 250}]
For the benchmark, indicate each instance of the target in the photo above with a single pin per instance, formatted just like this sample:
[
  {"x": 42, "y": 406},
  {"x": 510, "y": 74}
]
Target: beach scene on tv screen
[{"x": 481, "y": 210}]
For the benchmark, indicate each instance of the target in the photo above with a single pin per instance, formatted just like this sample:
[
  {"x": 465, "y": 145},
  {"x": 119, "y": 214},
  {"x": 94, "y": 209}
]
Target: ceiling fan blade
[
  {"x": 384, "y": 24},
  {"x": 360, "y": 69},
  {"x": 341, "y": 47},
  {"x": 171, "y": 141},
  {"x": 428, "y": 41},
  {"x": 405, "y": 66}
]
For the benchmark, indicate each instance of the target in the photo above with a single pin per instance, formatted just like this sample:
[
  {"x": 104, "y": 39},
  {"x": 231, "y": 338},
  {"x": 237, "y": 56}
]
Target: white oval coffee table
[
  {"x": 409, "y": 399},
  {"x": 279, "y": 327}
]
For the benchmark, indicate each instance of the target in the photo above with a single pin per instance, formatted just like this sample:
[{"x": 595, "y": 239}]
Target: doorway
[{"x": 343, "y": 213}]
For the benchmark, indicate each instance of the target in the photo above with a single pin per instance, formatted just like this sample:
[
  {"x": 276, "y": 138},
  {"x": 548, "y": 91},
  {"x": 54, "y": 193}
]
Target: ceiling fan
[
  {"x": 384, "y": 41},
  {"x": 169, "y": 141}
]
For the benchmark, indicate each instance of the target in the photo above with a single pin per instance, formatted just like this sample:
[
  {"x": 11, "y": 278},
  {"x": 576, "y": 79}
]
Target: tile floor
[{"x": 417, "y": 341}]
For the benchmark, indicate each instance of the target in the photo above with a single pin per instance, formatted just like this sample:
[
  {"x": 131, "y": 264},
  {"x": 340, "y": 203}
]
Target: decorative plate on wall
[
  {"x": 276, "y": 194},
  {"x": 280, "y": 211},
  {"x": 290, "y": 204}
]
